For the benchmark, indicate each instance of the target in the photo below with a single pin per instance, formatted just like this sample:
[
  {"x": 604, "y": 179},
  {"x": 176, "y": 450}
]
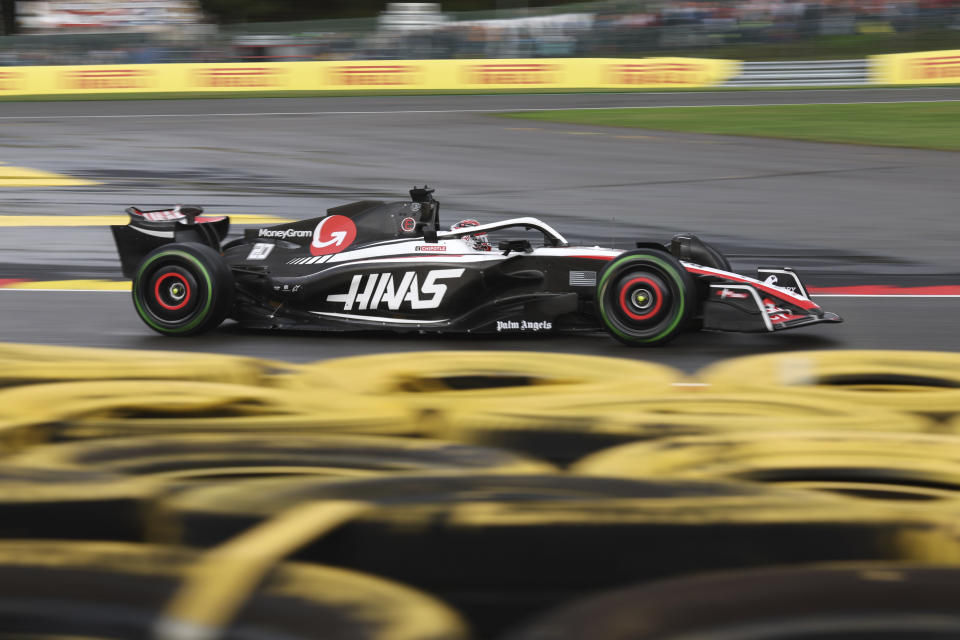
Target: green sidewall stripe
[
  {"x": 146, "y": 316},
  {"x": 669, "y": 269}
]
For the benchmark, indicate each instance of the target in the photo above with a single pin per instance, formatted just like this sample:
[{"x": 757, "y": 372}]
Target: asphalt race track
[{"x": 845, "y": 216}]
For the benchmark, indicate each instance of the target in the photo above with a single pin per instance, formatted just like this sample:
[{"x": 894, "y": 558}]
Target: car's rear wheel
[
  {"x": 183, "y": 289},
  {"x": 645, "y": 297}
]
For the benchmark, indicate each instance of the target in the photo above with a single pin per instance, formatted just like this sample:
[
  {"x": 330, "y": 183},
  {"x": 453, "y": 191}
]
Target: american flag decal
[{"x": 583, "y": 278}]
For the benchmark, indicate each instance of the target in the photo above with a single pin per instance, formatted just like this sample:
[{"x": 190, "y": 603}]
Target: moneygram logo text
[{"x": 285, "y": 233}]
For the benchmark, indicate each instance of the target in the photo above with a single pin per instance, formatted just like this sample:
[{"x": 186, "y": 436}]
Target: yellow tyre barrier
[
  {"x": 234, "y": 456},
  {"x": 16, "y": 435},
  {"x": 872, "y": 465},
  {"x": 61, "y": 504},
  {"x": 208, "y": 514},
  {"x": 952, "y": 425},
  {"x": 75, "y": 410},
  {"x": 861, "y": 600},
  {"x": 28, "y": 364},
  {"x": 541, "y": 546},
  {"x": 566, "y": 429},
  {"x": 436, "y": 378},
  {"x": 113, "y": 590},
  {"x": 922, "y": 382}
]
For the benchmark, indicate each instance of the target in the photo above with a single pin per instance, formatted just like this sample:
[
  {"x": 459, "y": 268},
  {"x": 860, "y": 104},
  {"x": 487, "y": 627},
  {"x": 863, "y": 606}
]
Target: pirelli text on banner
[
  {"x": 371, "y": 75},
  {"x": 667, "y": 72},
  {"x": 517, "y": 73},
  {"x": 12, "y": 81},
  {"x": 258, "y": 77},
  {"x": 925, "y": 67},
  {"x": 389, "y": 75}
]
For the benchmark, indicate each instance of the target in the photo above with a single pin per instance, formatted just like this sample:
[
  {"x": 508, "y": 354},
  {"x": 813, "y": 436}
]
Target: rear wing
[{"x": 149, "y": 229}]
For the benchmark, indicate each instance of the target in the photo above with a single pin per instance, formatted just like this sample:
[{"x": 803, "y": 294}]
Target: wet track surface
[
  {"x": 107, "y": 319},
  {"x": 843, "y": 215}
]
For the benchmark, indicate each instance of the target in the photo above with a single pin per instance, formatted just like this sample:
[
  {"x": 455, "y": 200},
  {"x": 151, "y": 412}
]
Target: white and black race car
[{"x": 373, "y": 265}]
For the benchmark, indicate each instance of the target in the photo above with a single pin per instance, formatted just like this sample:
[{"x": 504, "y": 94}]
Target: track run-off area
[{"x": 871, "y": 229}]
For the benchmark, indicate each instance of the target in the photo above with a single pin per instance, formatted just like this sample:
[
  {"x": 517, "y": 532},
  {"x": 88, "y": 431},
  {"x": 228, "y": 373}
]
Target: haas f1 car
[{"x": 380, "y": 266}]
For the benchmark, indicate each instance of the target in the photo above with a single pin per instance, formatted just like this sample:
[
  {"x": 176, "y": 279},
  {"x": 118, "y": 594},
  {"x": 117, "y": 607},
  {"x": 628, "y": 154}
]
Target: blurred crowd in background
[{"x": 156, "y": 31}]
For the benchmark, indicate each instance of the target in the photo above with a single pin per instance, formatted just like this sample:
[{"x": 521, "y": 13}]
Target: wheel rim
[
  {"x": 641, "y": 298},
  {"x": 172, "y": 292}
]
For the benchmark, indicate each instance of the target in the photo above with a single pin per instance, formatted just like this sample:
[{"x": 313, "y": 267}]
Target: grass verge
[{"x": 928, "y": 125}]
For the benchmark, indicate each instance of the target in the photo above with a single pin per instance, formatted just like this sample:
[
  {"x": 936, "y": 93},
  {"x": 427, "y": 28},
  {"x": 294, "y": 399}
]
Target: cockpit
[{"x": 378, "y": 221}]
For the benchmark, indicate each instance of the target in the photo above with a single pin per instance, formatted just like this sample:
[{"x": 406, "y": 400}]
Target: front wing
[{"x": 779, "y": 301}]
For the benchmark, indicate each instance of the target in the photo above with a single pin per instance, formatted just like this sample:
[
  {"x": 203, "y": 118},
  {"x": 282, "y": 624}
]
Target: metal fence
[{"x": 802, "y": 73}]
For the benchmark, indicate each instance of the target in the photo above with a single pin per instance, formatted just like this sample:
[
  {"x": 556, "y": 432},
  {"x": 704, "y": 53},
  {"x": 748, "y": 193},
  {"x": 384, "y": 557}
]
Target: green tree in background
[{"x": 266, "y": 10}]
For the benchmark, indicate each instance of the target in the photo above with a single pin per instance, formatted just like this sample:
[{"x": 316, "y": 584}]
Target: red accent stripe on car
[
  {"x": 799, "y": 302},
  {"x": 4, "y": 282},
  {"x": 593, "y": 257}
]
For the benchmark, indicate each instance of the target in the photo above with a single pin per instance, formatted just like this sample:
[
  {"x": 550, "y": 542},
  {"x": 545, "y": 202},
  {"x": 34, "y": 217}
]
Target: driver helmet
[{"x": 478, "y": 241}]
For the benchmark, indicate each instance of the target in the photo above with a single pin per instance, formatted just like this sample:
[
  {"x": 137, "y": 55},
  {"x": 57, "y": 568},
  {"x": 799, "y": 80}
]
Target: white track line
[{"x": 267, "y": 114}]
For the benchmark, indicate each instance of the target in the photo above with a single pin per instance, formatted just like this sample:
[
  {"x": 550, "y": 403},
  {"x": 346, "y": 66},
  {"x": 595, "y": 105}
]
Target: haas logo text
[{"x": 388, "y": 290}]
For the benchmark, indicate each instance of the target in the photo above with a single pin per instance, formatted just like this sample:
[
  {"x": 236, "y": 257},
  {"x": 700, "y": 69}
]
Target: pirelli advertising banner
[
  {"x": 662, "y": 73},
  {"x": 396, "y": 75},
  {"x": 533, "y": 73},
  {"x": 926, "y": 67},
  {"x": 155, "y": 78}
]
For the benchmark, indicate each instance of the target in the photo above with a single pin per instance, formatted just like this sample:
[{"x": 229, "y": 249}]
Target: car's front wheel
[
  {"x": 183, "y": 289},
  {"x": 645, "y": 297}
]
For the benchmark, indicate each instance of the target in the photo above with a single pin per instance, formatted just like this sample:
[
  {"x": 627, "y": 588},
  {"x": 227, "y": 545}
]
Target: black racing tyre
[
  {"x": 502, "y": 548},
  {"x": 183, "y": 289},
  {"x": 645, "y": 298},
  {"x": 54, "y": 589},
  {"x": 199, "y": 457},
  {"x": 75, "y": 505},
  {"x": 877, "y": 466},
  {"x": 122, "y": 408},
  {"x": 875, "y": 601},
  {"x": 574, "y": 426},
  {"x": 209, "y": 514}
]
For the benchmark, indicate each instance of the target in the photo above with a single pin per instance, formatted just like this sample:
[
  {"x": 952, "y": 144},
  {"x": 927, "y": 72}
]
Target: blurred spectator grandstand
[
  {"x": 141, "y": 31},
  {"x": 36, "y": 16}
]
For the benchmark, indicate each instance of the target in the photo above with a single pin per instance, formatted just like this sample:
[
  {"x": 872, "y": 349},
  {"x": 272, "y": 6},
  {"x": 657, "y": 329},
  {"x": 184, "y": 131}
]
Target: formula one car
[{"x": 389, "y": 266}]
